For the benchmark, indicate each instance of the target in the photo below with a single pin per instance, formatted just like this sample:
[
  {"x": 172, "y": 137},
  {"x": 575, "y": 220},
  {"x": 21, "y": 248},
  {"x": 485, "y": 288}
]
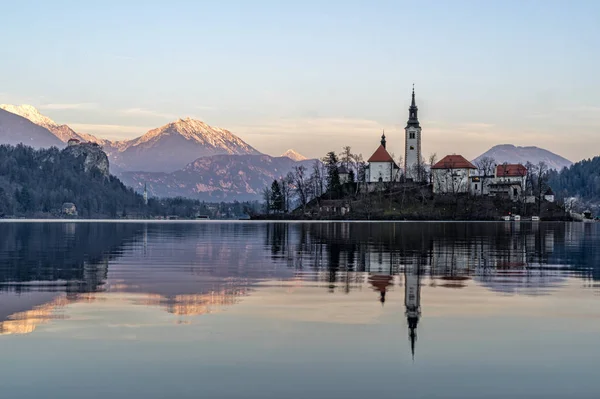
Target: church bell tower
[{"x": 412, "y": 142}]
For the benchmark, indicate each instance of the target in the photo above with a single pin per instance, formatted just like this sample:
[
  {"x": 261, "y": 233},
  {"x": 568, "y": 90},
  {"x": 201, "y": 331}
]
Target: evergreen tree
[
  {"x": 334, "y": 186},
  {"x": 277, "y": 200}
]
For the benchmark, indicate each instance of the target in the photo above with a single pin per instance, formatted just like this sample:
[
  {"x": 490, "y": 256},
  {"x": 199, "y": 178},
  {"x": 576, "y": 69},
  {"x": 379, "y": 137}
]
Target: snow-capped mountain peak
[
  {"x": 221, "y": 140},
  {"x": 294, "y": 155},
  {"x": 172, "y": 146},
  {"x": 29, "y": 112}
]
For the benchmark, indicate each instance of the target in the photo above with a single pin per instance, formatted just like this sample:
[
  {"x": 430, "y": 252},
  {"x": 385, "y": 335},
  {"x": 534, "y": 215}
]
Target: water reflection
[{"x": 191, "y": 269}]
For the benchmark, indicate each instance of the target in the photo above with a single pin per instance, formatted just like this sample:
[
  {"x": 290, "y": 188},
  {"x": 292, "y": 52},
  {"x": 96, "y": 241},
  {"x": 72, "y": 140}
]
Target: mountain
[
  {"x": 15, "y": 129},
  {"x": 216, "y": 178},
  {"x": 62, "y": 132},
  {"x": 174, "y": 145},
  {"x": 294, "y": 155},
  {"x": 165, "y": 149},
  {"x": 513, "y": 154}
]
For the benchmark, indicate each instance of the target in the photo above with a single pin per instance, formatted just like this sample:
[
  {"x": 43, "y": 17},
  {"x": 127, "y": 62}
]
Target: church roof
[
  {"x": 453, "y": 162},
  {"x": 381, "y": 155},
  {"x": 511, "y": 170}
]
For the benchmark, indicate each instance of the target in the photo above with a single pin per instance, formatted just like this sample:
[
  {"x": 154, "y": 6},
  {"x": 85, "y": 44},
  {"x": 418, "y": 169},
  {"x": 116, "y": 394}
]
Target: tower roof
[
  {"x": 413, "y": 119},
  {"x": 381, "y": 155}
]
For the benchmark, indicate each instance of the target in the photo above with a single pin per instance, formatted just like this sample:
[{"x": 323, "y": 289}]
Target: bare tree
[
  {"x": 542, "y": 181},
  {"x": 267, "y": 198},
  {"x": 485, "y": 167},
  {"x": 432, "y": 161},
  {"x": 287, "y": 188},
  {"x": 318, "y": 179},
  {"x": 300, "y": 183},
  {"x": 346, "y": 157}
]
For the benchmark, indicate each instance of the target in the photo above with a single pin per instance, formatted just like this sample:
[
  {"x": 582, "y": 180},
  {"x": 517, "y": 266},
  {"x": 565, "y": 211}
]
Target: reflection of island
[
  {"x": 194, "y": 269},
  {"x": 451, "y": 254}
]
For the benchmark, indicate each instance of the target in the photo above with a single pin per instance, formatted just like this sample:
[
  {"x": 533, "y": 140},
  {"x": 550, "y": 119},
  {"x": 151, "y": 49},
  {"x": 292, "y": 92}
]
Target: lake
[{"x": 299, "y": 310}]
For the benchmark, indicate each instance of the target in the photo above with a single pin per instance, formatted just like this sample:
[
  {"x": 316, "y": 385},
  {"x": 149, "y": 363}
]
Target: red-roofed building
[
  {"x": 382, "y": 167},
  {"x": 451, "y": 175},
  {"x": 510, "y": 181},
  {"x": 511, "y": 170}
]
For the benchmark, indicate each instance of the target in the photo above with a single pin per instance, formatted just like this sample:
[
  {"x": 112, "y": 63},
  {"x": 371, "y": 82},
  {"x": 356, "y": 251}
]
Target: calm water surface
[{"x": 301, "y": 310}]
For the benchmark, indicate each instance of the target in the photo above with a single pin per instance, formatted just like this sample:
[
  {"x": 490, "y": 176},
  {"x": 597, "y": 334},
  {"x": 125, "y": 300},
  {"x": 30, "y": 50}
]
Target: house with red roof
[
  {"x": 382, "y": 167},
  {"x": 451, "y": 175},
  {"x": 510, "y": 181}
]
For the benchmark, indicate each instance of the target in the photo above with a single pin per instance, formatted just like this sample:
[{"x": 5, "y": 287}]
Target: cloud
[
  {"x": 147, "y": 112},
  {"x": 73, "y": 106},
  {"x": 113, "y": 132}
]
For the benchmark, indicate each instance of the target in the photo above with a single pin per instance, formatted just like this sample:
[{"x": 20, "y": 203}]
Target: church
[{"x": 382, "y": 167}]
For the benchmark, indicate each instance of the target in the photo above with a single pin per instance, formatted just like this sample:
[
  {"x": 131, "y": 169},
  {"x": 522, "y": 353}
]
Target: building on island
[
  {"x": 381, "y": 168},
  {"x": 69, "y": 208},
  {"x": 451, "y": 175},
  {"x": 344, "y": 174},
  {"x": 480, "y": 182},
  {"x": 413, "y": 164},
  {"x": 509, "y": 181},
  {"x": 549, "y": 195}
]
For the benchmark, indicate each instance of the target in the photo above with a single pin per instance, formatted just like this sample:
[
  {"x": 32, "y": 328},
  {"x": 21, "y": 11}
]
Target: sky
[{"x": 314, "y": 75}]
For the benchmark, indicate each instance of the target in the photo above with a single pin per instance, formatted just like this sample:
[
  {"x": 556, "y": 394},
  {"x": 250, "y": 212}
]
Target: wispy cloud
[
  {"x": 147, "y": 112},
  {"x": 72, "y": 106}
]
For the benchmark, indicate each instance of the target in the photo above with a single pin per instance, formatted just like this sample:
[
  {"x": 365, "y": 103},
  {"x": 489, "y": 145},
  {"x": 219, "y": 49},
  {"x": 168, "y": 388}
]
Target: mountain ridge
[
  {"x": 218, "y": 177},
  {"x": 522, "y": 154},
  {"x": 167, "y": 148},
  {"x": 15, "y": 129}
]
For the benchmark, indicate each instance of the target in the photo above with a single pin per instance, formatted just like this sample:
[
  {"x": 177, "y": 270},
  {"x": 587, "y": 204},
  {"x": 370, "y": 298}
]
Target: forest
[
  {"x": 36, "y": 183},
  {"x": 582, "y": 180}
]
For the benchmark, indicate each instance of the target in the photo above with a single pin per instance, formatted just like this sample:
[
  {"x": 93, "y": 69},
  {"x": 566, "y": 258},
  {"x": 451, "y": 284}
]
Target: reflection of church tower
[{"x": 412, "y": 301}]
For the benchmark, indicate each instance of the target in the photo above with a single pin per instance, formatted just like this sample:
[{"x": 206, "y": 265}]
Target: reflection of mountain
[
  {"x": 200, "y": 268},
  {"x": 187, "y": 269}
]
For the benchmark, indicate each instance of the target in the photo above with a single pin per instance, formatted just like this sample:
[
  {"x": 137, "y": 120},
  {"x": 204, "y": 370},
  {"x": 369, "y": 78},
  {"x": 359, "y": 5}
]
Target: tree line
[{"x": 36, "y": 183}]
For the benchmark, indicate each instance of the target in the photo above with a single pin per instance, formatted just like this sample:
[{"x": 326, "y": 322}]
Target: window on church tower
[
  {"x": 412, "y": 148},
  {"x": 411, "y": 135}
]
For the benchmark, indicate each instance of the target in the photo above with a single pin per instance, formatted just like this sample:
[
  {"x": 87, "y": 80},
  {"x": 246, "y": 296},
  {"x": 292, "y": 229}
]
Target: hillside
[
  {"x": 581, "y": 180},
  {"x": 15, "y": 129},
  {"x": 218, "y": 177},
  {"x": 514, "y": 154},
  {"x": 37, "y": 182}
]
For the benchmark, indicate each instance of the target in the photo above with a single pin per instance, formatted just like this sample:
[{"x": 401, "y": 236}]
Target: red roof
[
  {"x": 381, "y": 155},
  {"x": 512, "y": 170},
  {"x": 453, "y": 162}
]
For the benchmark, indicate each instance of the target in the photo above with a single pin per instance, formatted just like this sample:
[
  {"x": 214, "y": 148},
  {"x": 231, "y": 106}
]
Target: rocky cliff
[{"x": 93, "y": 156}]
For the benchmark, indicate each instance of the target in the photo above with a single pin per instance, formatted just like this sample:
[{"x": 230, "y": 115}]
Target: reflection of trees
[
  {"x": 450, "y": 253},
  {"x": 75, "y": 254}
]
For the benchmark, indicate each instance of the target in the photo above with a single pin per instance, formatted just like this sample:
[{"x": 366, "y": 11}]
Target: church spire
[
  {"x": 383, "y": 142},
  {"x": 413, "y": 119}
]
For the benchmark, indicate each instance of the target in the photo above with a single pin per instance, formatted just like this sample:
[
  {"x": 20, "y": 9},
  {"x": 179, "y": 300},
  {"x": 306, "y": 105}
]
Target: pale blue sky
[{"x": 314, "y": 75}]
